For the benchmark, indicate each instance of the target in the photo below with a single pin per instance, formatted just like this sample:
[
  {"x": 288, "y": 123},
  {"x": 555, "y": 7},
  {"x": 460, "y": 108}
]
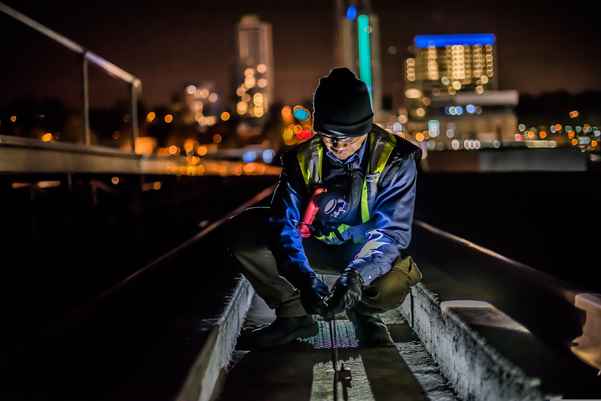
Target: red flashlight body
[{"x": 310, "y": 213}]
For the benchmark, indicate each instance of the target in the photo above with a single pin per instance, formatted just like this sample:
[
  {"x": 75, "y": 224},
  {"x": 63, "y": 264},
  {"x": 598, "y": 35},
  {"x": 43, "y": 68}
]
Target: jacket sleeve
[
  {"x": 388, "y": 232},
  {"x": 286, "y": 204}
]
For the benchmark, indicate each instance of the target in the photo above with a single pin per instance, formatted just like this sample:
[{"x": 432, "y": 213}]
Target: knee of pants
[
  {"x": 390, "y": 290},
  {"x": 247, "y": 231}
]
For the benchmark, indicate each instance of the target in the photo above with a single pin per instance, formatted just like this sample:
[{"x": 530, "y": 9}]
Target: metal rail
[
  {"x": 87, "y": 57},
  {"x": 555, "y": 285}
]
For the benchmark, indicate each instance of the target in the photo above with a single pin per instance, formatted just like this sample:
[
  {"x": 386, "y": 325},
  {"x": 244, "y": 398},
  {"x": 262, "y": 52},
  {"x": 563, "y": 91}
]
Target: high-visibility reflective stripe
[
  {"x": 311, "y": 163},
  {"x": 319, "y": 161},
  {"x": 386, "y": 152},
  {"x": 332, "y": 236},
  {"x": 304, "y": 166},
  {"x": 364, "y": 203}
]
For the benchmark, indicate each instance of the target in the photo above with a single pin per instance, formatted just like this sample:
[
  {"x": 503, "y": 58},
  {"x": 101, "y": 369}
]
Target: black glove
[
  {"x": 313, "y": 291},
  {"x": 347, "y": 291}
]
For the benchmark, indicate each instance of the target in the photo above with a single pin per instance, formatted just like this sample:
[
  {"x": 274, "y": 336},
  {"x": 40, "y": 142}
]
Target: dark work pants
[{"x": 248, "y": 235}]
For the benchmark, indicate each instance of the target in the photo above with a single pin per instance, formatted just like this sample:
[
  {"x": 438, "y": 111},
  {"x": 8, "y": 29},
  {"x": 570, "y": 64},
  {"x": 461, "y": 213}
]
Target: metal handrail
[{"x": 87, "y": 56}]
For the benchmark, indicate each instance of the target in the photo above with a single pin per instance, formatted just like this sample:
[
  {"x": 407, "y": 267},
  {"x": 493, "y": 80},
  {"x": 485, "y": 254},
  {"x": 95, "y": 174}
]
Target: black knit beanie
[{"x": 342, "y": 105}]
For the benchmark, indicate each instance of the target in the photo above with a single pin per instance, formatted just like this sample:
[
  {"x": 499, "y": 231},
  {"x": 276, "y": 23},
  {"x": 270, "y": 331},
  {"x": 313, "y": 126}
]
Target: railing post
[
  {"x": 87, "y": 139},
  {"x": 135, "y": 88}
]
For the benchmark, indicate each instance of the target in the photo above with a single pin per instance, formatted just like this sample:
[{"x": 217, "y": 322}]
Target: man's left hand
[{"x": 347, "y": 291}]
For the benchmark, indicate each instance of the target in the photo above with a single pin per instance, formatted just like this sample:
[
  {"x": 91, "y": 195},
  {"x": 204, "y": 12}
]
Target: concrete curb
[
  {"x": 472, "y": 366},
  {"x": 204, "y": 378}
]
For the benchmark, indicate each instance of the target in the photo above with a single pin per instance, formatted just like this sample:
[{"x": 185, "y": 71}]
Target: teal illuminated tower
[{"x": 357, "y": 45}]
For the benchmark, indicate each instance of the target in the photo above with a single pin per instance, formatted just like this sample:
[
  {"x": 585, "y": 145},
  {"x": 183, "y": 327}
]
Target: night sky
[{"x": 542, "y": 46}]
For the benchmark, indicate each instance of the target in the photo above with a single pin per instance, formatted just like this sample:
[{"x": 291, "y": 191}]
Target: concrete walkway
[{"x": 303, "y": 370}]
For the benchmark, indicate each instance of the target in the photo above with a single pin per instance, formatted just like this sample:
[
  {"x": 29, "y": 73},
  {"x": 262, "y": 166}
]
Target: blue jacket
[{"x": 385, "y": 235}]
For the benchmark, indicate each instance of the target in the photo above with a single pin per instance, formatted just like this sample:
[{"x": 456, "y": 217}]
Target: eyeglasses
[{"x": 338, "y": 139}]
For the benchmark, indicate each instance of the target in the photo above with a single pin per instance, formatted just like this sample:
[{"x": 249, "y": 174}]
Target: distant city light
[
  {"x": 225, "y": 116},
  {"x": 433, "y": 128},
  {"x": 115, "y": 180},
  {"x": 213, "y": 97},
  {"x": 413, "y": 93},
  {"x": 287, "y": 116},
  {"x": 470, "y": 108},
  {"x": 173, "y": 150},
  {"x": 47, "y": 137},
  {"x": 258, "y": 99},
  {"x": 249, "y": 156},
  {"x": 191, "y": 89},
  {"x": 249, "y": 82},
  {"x": 202, "y": 150},
  {"x": 454, "y": 110},
  {"x": 425, "y": 41},
  {"x": 301, "y": 113},
  {"x": 268, "y": 155},
  {"x": 168, "y": 118},
  {"x": 420, "y": 112},
  {"x": 217, "y": 138},
  {"x": 471, "y": 144},
  {"x": 262, "y": 68},
  {"x": 48, "y": 184},
  {"x": 13, "y": 119},
  {"x": 150, "y": 116},
  {"x": 584, "y": 140},
  {"x": 262, "y": 83},
  {"x": 574, "y": 114},
  {"x": 351, "y": 12},
  {"x": 189, "y": 145},
  {"x": 242, "y": 108}
]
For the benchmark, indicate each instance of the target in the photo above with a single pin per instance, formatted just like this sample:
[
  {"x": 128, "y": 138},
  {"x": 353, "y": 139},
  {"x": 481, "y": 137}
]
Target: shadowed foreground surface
[{"x": 303, "y": 370}]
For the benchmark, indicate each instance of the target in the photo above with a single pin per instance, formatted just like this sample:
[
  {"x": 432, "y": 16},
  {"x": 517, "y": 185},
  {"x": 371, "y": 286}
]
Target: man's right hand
[{"x": 313, "y": 292}]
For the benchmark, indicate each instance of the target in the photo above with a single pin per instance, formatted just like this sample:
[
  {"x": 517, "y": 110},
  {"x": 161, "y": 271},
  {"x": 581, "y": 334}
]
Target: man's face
[{"x": 342, "y": 148}]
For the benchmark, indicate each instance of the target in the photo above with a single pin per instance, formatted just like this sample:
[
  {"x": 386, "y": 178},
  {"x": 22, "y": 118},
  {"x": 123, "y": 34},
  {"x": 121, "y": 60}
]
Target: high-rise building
[
  {"x": 254, "y": 91},
  {"x": 451, "y": 91},
  {"x": 448, "y": 64},
  {"x": 357, "y": 45}
]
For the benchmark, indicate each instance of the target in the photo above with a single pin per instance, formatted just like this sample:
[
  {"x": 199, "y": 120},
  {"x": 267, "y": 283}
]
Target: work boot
[
  {"x": 369, "y": 328},
  {"x": 282, "y": 330}
]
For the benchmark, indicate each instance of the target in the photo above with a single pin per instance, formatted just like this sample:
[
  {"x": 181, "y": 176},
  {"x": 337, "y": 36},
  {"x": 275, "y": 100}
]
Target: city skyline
[{"x": 166, "y": 47}]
